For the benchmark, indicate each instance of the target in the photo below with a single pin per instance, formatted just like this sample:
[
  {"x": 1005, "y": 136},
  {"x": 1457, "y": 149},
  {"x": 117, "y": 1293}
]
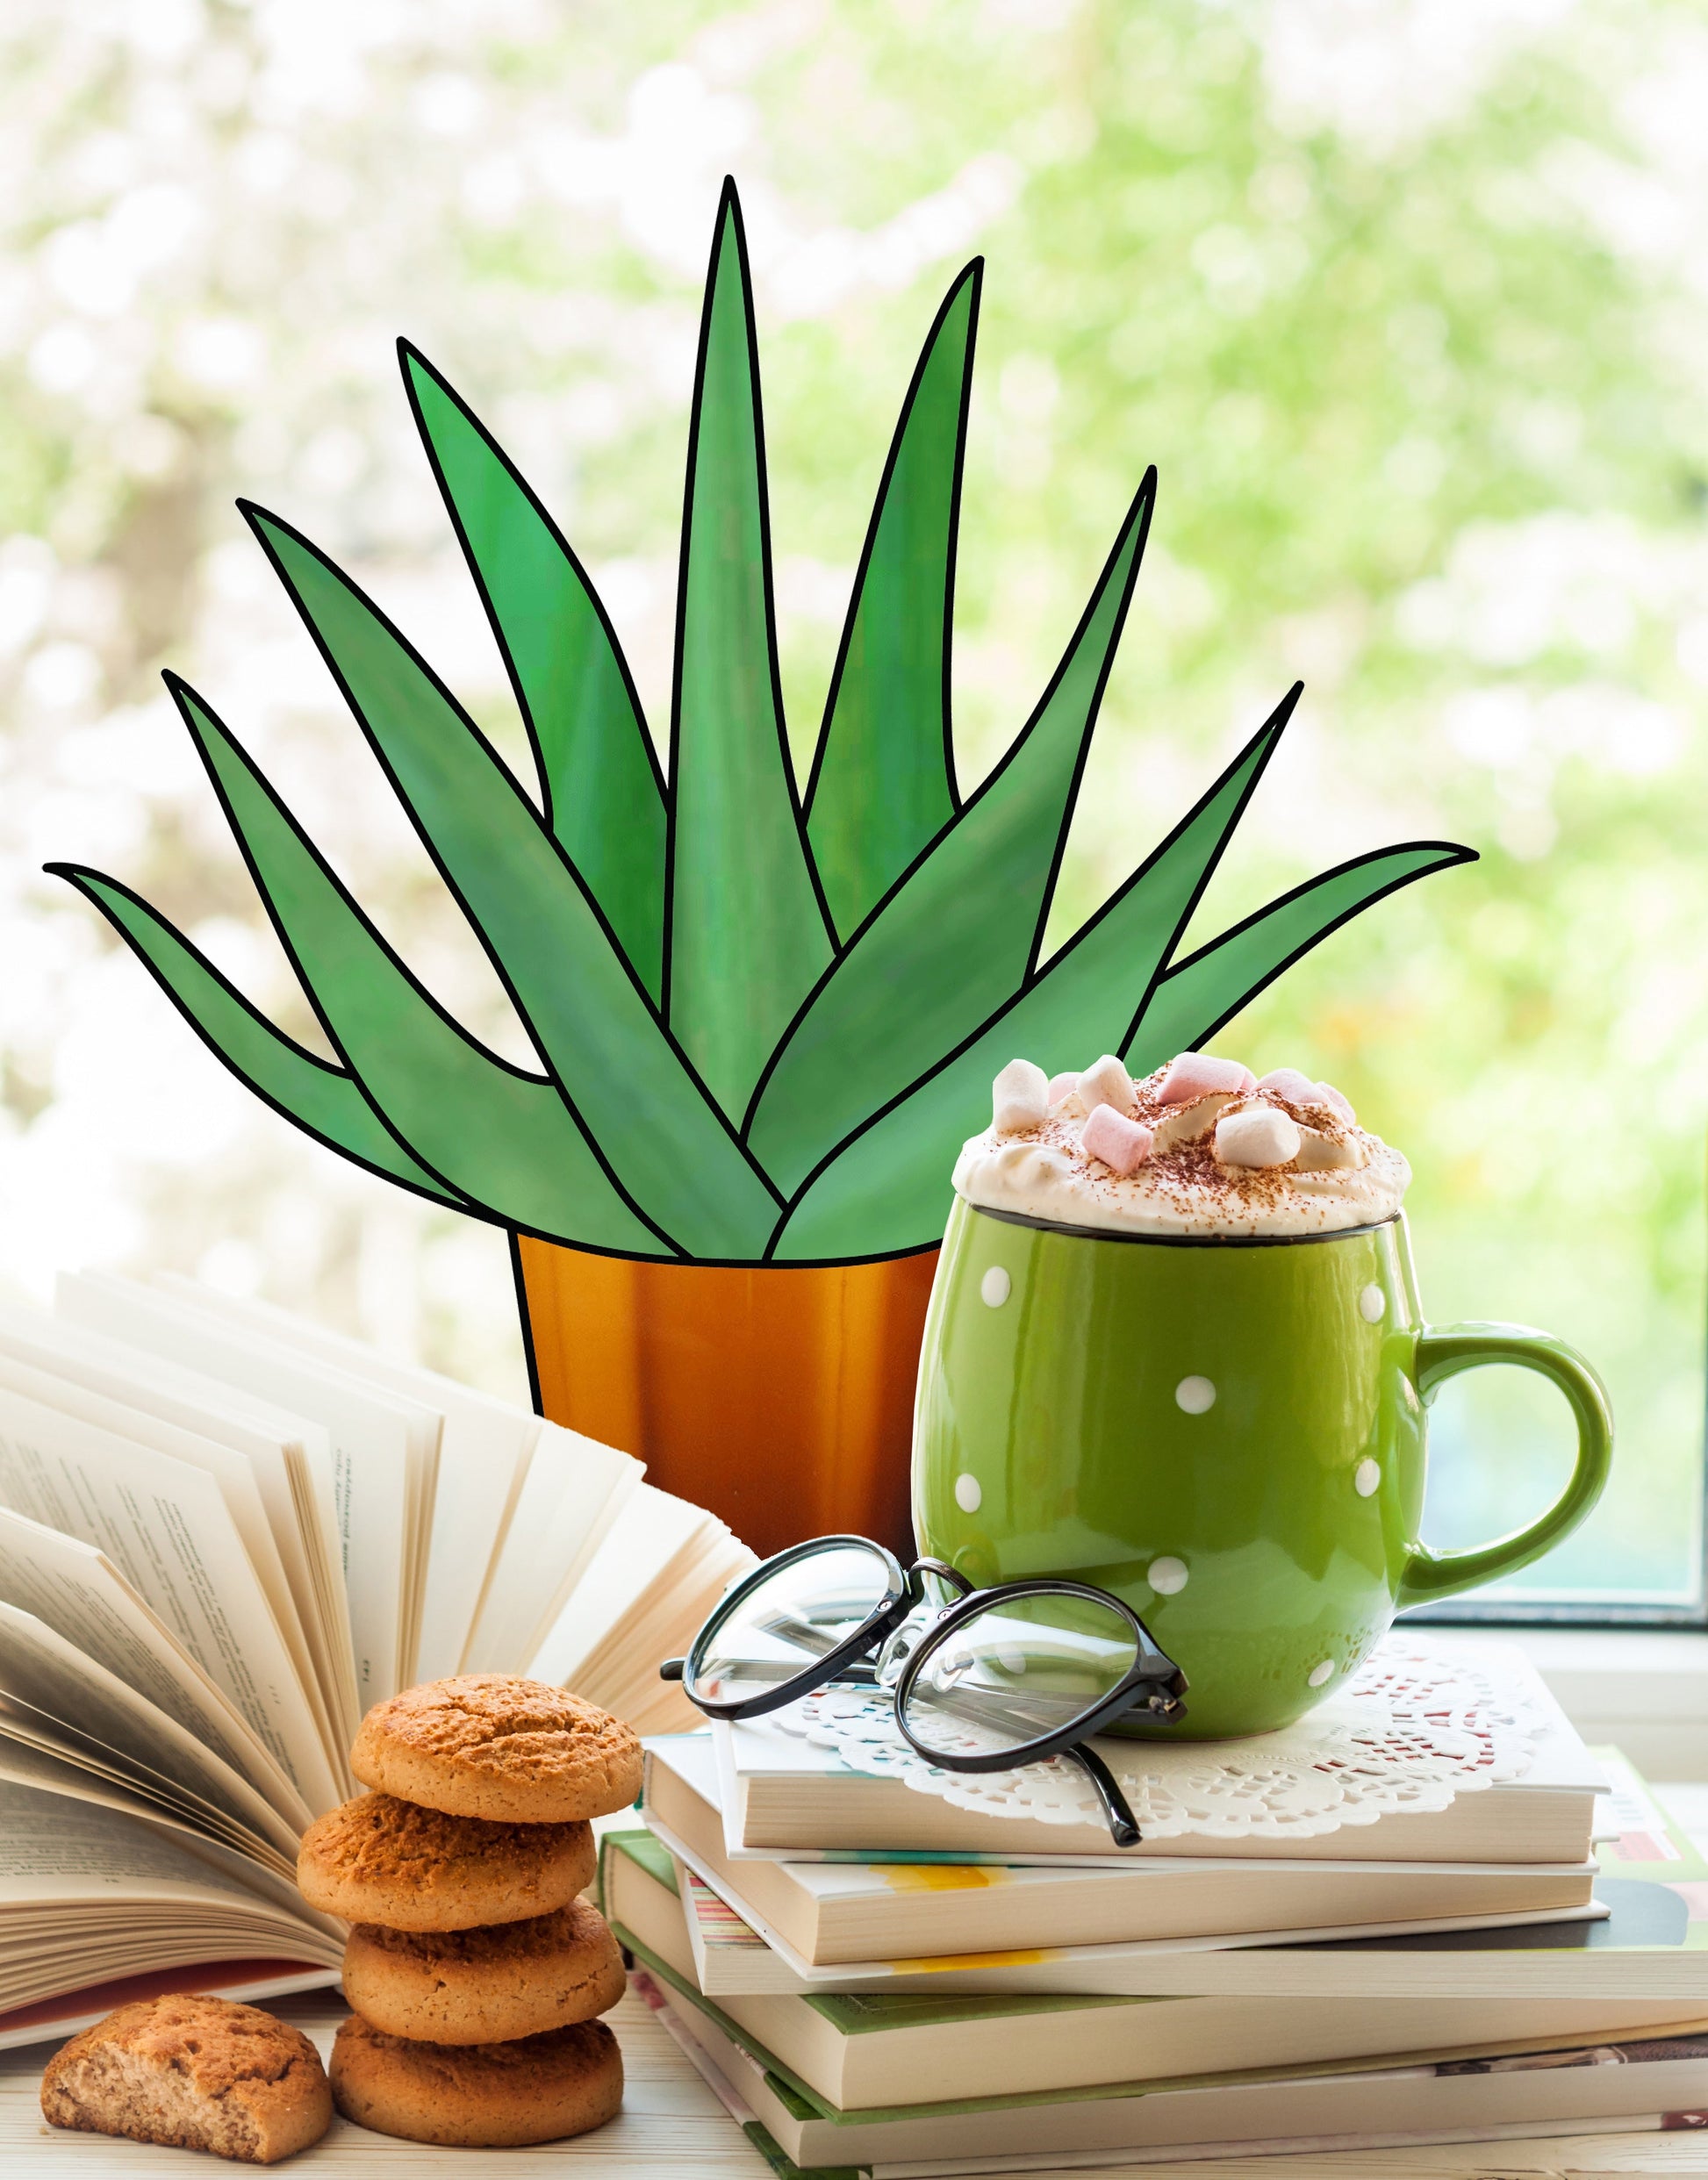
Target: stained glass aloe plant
[{"x": 803, "y": 996}]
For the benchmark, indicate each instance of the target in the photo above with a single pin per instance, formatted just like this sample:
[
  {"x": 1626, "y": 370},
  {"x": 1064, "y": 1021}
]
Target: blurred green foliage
[{"x": 1409, "y": 305}]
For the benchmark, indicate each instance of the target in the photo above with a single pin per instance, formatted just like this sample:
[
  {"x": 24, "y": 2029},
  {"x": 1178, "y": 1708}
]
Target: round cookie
[
  {"x": 485, "y": 1986},
  {"x": 377, "y": 1860},
  {"x": 493, "y": 1745},
  {"x": 477, "y": 2095}
]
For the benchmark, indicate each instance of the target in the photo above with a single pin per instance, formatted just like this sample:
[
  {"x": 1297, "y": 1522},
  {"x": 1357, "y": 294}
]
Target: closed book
[
  {"x": 1644, "y": 1938},
  {"x": 1428, "y": 2095},
  {"x": 783, "y": 1794},
  {"x": 861, "y": 2050},
  {"x": 848, "y": 1911}
]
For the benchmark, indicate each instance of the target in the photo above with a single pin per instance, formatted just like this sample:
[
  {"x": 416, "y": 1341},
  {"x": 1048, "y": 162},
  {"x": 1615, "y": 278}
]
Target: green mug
[{"x": 1228, "y": 1433}]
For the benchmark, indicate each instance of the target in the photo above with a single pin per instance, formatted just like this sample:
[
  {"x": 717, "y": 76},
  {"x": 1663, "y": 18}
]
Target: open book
[{"x": 224, "y": 1533}]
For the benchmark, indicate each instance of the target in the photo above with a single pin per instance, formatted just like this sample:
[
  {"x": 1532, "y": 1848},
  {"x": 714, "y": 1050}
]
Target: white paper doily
[{"x": 1414, "y": 1728}]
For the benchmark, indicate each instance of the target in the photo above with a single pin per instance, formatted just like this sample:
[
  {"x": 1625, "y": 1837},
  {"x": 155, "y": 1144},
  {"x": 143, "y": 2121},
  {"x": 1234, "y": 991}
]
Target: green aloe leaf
[
  {"x": 500, "y": 1136},
  {"x": 883, "y": 781},
  {"x": 323, "y": 1101},
  {"x": 893, "y": 1182},
  {"x": 887, "y": 1188},
  {"x": 747, "y": 933},
  {"x": 600, "y": 779},
  {"x": 962, "y": 931},
  {"x": 1199, "y": 994},
  {"x": 665, "y": 1144}
]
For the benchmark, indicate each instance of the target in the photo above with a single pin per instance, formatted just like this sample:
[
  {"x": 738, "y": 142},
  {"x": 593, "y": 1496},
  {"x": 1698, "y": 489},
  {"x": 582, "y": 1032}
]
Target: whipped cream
[{"x": 1200, "y": 1147}]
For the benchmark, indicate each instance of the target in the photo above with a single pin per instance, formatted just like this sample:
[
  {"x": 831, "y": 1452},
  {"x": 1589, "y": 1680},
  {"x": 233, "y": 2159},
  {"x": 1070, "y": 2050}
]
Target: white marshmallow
[
  {"x": 1106, "y": 1082},
  {"x": 1257, "y": 1135},
  {"x": 1020, "y": 1097}
]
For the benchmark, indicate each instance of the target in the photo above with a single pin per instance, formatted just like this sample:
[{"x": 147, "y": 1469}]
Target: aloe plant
[{"x": 764, "y": 1021}]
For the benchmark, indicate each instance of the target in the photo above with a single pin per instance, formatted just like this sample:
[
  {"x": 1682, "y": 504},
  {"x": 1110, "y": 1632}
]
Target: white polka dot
[
  {"x": 1167, "y": 1576},
  {"x": 1195, "y": 1395},
  {"x": 1371, "y": 1304},
  {"x": 1318, "y": 1673},
  {"x": 995, "y": 1286},
  {"x": 1366, "y": 1477},
  {"x": 969, "y": 1496}
]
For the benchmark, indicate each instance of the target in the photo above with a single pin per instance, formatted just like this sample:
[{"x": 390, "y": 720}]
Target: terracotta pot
[{"x": 780, "y": 1396}]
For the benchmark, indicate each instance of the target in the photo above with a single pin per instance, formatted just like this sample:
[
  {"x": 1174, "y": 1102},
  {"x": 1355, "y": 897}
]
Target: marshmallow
[
  {"x": 1021, "y": 1098},
  {"x": 1257, "y": 1135},
  {"x": 1106, "y": 1082},
  {"x": 1289, "y": 1083},
  {"x": 1327, "y": 1095},
  {"x": 1122, "y": 1144},
  {"x": 1185, "y": 1123},
  {"x": 1061, "y": 1084},
  {"x": 1196, "y": 1074},
  {"x": 1324, "y": 1154}
]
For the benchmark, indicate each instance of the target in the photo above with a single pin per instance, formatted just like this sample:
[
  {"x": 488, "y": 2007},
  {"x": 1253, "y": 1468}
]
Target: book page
[
  {"x": 35, "y": 1751},
  {"x": 76, "y": 1590},
  {"x": 74, "y": 1857},
  {"x": 370, "y": 1443},
  {"x": 482, "y": 1444},
  {"x": 656, "y": 1576},
  {"x": 59, "y": 1682},
  {"x": 165, "y": 1525},
  {"x": 229, "y": 1471},
  {"x": 574, "y": 1490},
  {"x": 45, "y": 1841},
  {"x": 289, "y": 1456},
  {"x": 44, "y": 1762}
]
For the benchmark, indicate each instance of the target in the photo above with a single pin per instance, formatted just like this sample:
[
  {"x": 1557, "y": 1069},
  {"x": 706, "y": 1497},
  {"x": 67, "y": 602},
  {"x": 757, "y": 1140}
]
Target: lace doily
[{"x": 1415, "y": 1727}]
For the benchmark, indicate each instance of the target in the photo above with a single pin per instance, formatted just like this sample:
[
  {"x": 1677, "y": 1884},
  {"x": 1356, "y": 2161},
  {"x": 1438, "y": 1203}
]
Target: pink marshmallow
[
  {"x": 1327, "y": 1095},
  {"x": 1289, "y": 1083},
  {"x": 1122, "y": 1144},
  {"x": 1061, "y": 1084},
  {"x": 1199, "y": 1075}
]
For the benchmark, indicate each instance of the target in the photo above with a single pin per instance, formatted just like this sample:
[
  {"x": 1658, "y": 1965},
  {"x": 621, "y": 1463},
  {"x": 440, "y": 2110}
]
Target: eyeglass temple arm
[{"x": 1124, "y": 1825}]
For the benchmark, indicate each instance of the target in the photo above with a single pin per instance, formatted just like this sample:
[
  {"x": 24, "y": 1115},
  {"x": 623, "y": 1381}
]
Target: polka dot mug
[{"x": 1227, "y": 1434}]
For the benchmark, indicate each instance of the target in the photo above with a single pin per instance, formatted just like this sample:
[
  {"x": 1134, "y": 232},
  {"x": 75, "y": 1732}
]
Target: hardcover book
[
  {"x": 1641, "y": 1934},
  {"x": 785, "y": 1791},
  {"x": 867, "y": 2049},
  {"x": 863, "y": 1921}
]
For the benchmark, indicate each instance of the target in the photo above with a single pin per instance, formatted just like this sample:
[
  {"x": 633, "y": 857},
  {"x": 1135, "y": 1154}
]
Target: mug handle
[{"x": 1443, "y": 1351}]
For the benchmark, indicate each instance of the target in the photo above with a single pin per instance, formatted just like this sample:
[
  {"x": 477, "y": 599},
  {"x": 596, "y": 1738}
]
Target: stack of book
[{"x": 875, "y": 1980}]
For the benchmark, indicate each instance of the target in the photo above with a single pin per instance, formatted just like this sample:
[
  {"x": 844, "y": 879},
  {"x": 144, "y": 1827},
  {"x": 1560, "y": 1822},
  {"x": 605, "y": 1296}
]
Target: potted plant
[{"x": 766, "y": 1019}]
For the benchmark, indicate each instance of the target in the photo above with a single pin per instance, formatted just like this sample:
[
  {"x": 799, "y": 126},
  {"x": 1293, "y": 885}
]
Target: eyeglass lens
[
  {"x": 1023, "y": 1669},
  {"x": 797, "y": 1615}
]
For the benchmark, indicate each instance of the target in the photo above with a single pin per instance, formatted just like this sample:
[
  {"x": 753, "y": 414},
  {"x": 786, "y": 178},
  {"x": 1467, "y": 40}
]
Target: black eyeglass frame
[{"x": 1152, "y": 1671}]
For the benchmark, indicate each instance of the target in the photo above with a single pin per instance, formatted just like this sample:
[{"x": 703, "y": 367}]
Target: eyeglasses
[{"x": 984, "y": 1679}]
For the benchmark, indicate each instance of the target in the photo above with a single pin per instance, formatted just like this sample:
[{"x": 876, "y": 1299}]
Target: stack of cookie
[{"x": 475, "y": 1972}]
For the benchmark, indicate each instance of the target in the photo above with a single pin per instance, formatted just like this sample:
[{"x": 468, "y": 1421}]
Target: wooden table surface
[{"x": 671, "y": 2123}]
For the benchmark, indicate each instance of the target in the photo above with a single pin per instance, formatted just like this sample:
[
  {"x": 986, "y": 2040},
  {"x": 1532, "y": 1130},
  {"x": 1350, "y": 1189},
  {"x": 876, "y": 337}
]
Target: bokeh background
[{"x": 1407, "y": 298}]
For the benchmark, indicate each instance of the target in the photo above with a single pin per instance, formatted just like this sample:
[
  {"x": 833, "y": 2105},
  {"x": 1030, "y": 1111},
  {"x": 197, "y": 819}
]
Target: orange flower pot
[{"x": 780, "y": 1396}]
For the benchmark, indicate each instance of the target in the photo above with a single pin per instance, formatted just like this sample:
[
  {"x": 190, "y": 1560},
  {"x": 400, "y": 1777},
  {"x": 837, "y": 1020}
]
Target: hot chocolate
[{"x": 1201, "y": 1147}]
